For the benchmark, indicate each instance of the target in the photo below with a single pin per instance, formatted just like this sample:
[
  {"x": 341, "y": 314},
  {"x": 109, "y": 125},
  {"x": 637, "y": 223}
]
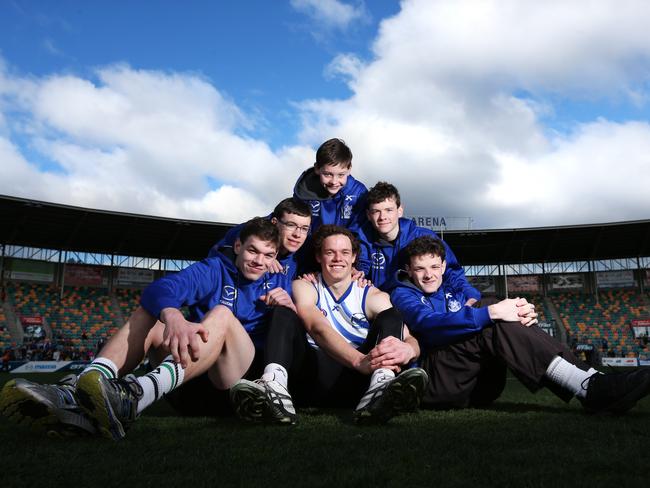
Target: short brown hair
[
  {"x": 422, "y": 246},
  {"x": 382, "y": 191},
  {"x": 291, "y": 206},
  {"x": 261, "y": 228},
  {"x": 325, "y": 231},
  {"x": 334, "y": 152}
]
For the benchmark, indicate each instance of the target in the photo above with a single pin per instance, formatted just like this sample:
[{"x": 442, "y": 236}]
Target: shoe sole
[
  {"x": 94, "y": 401},
  {"x": 24, "y": 407},
  {"x": 248, "y": 402},
  {"x": 407, "y": 389},
  {"x": 403, "y": 394}
]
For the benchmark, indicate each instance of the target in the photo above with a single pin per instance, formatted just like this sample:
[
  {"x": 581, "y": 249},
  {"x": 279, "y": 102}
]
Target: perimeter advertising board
[
  {"x": 574, "y": 281},
  {"x": 80, "y": 275},
  {"x": 529, "y": 283},
  {"x": 484, "y": 284},
  {"x": 615, "y": 279},
  {"x": 134, "y": 277},
  {"x": 27, "y": 270}
]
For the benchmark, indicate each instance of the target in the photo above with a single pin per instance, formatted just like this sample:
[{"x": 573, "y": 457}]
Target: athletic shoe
[
  {"x": 262, "y": 401},
  {"x": 50, "y": 408},
  {"x": 280, "y": 405},
  {"x": 249, "y": 400},
  {"x": 392, "y": 396},
  {"x": 112, "y": 404},
  {"x": 615, "y": 392},
  {"x": 406, "y": 391},
  {"x": 371, "y": 407}
]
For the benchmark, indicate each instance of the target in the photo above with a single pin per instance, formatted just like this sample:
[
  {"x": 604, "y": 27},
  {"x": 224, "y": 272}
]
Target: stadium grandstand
[{"x": 69, "y": 277}]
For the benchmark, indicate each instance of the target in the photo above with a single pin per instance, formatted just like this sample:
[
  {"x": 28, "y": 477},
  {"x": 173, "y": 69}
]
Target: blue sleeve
[
  {"x": 227, "y": 240},
  {"x": 434, "y": 328},
  {"x": 455, "y": 276},
  {"x": 359, "y": 210},
  {"x": 187, "y": 287},
  {"x": 364, "y": 258}
]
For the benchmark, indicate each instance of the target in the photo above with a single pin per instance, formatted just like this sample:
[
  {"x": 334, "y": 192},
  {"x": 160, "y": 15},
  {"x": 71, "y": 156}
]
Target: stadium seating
[
  {"x": 590, "y": 321},
  {"x": 5, "y": 335},
  {"x": 82, "y": 316},
  {"x": 127, "y": 300}
]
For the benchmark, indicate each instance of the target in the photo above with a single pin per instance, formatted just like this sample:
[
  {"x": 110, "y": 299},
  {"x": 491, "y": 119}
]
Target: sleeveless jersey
[{"x": 346, "y": 315}]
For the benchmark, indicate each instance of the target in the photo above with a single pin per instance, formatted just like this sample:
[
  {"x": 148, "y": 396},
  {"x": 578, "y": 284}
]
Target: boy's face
[
  {"x": 332, "y": 177},
  {"x": 426, "y": 272},
  {"x": 293, "y": 231},
  {"x": 254, "y": 256},
  {"x": 384, "y": 217},
  {"x": 336, "y": 257}
]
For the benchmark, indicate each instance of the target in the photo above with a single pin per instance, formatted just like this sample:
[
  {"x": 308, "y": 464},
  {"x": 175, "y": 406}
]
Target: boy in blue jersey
[
  {"x": 231, "y": 304},
  {"x": 334, "y": 196},
  {"x": 356, "y": 342},
  {"x": 386, "y": 234},
  {"x": 293, "y": 218},
  {"x": 466, "y": 350}
]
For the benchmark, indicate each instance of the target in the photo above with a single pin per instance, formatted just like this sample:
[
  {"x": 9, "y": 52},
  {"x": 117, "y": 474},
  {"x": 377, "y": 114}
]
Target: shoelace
[
  {"x": 586, "y": 380},
  {"x": 129, "y": 384}
]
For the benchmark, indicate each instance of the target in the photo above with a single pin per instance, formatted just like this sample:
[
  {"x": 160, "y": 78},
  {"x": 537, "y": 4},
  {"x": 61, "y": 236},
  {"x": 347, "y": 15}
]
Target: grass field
[{"x": 524, "y": 440}]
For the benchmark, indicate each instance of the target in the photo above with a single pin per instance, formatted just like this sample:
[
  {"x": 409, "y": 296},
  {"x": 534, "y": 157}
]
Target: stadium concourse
[{"x": 69, "y": 277}]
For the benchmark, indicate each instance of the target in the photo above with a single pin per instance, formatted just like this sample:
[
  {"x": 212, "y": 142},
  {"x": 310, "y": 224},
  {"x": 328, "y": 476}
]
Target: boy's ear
[
  {"x": 316, "y": 170},
  {"x": 444, "y": 267},
  {"x": 237, "y": 246},
  {"x": 400, "y": 212}
]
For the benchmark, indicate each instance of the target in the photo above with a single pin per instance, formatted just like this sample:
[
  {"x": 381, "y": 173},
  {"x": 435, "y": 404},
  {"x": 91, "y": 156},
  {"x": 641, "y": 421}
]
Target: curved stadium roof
[{"x": 46, "y": 225}]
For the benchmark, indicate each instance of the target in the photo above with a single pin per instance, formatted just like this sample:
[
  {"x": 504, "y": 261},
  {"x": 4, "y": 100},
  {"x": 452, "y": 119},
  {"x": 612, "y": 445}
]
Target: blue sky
[
  {"x": 509, "y": 113},
  {"x": 264, "y": 55}
]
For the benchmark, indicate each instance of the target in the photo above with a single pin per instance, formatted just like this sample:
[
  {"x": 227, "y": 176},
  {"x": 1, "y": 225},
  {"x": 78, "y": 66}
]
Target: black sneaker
[
  {"x": 616, "y": 392},
  {"x": 52, "y": 408},
  {"x": 112, "y": 404}
]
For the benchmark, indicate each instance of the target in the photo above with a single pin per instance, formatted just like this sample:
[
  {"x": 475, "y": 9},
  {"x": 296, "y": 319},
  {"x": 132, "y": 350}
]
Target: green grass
[{"x": 524, "y": 440}]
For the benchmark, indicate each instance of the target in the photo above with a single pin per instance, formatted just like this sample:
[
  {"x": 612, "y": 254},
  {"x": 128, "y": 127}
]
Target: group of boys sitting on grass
[{"x": 333, "y": 300}]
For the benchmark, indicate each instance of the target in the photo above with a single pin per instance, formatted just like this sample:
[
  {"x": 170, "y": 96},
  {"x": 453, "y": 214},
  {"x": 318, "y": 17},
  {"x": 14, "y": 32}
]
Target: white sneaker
[
  {"x": 392, "y": 396},
  {"x": 249, "y": 400},
  {"x": 280, "y": 403}
]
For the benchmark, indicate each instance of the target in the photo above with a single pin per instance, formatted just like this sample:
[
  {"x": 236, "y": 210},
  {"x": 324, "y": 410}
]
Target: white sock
[
  {"x": 381, "y": 375},
  {"x": 276, "y": 372},
  {"x": 105, "y": 366},
  {"x": 569, "y": 376},
  {"x": 167, "y": 376}
]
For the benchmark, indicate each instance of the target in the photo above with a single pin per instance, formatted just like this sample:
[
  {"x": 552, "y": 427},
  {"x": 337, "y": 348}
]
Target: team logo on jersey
[
  {"x": 285, "y": 270},
  {"x": 228, "y": 295},
  {"x": 378, "y": 260},
  {"x": 454, "y": 305},
  {"x": 346, "y": 211},
  {"x": 324, "y": 312},
  {"x": 426, "y": 302},
  {"x": 315, "y": 207},
  {"x": 266, "y": 285},
  {"x": 359, "y": 319}
]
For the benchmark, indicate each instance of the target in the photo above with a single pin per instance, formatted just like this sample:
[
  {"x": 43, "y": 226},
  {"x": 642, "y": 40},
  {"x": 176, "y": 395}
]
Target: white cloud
[
  {"x": 451, "y": 108},
  {"x": 330, "y": 13},
  {"x": 440, "y": 111},
  {"x": 142, "y": 141}
]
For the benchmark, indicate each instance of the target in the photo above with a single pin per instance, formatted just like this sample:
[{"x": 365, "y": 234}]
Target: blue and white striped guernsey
[{"x": 346, "y": 315}]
